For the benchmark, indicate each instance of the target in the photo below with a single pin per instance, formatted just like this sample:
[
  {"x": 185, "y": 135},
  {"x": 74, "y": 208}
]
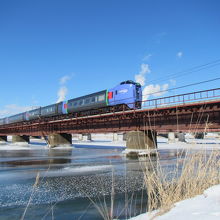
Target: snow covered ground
[
  {"x": 211, "y": 141},
  {"x": 201, "y": 207}
]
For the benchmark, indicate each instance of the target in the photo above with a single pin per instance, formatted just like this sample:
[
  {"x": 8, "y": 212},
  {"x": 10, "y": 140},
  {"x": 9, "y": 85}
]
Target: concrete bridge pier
[
  {"x": 171, "y": 137},
  {"x": 144, "y": 141},
  {"x": 124, "y": 136},
  {"x": 87, "y": 137},
  {"x": 181, "y": 137},
  {"x": 80, "y": 137},
  {"x": 20, "y": 139},
  {"x": 55, "y": 140},
  {"x": 199, "y": 135},
  {"x": 115, "y": 137},
  {"x": 3, "y": 138}
]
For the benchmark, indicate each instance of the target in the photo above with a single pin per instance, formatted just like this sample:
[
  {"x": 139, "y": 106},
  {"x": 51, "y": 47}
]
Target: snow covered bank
[{"x": 201, "y": 207}]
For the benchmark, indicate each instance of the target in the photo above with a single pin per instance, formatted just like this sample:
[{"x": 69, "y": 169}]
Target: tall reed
[{"x": 192, "y": 174}]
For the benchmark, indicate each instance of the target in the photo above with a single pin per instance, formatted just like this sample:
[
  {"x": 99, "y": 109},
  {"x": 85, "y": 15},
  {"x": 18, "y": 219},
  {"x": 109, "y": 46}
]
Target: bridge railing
[{"x": 205, "y": 95}]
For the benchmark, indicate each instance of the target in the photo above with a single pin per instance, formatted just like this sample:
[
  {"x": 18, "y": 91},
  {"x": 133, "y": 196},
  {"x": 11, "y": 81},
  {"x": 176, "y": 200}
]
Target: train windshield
[
  {"x": 138, "y": 91},
  {"x": 128, "y": 82}
]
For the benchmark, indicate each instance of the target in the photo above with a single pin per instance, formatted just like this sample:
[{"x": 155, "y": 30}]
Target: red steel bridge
[{"x": 191, "y": 112}]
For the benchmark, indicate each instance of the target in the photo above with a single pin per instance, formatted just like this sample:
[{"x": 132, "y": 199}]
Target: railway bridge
[{"x": 191, "y": 112}]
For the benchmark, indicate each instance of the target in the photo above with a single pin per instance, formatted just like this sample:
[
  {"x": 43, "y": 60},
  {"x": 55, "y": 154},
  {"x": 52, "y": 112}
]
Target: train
[{"x": 128, "y": 94}]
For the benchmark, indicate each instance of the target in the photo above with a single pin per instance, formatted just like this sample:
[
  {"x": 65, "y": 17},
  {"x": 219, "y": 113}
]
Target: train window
[
  {"x": 81, "y": 102},
  {"x": 116, "y": 92},
  {"x": 74, "y": 104},
  {"x": 128, "y": 82},
  {"x": 101, "y": 98},
  {"x": 59, "y": 108},
  {"x": 87, "y": 101},
  {"x": 93, "y": 99}
]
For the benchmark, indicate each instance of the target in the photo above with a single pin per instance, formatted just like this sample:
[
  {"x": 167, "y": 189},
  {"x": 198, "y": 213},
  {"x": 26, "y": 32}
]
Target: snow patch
[
  {"x": 205, "y": 206},
  {"x": 87, "y": 168}
]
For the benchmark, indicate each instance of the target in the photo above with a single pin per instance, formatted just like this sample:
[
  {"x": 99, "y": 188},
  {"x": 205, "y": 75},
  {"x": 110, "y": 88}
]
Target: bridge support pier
[
  {"x": 56, "y": 140},
  {"x": 20, "y": 139},
  {"x": 115, "y": 137},
  {"x": 3, "y": 138},
  {"x": 181, "y": 137},
  {"x": 171, "y": 137},
  {"x": 80, "y": 137},
  {"x": 87, "y": 137},
  {"x": 124, "y": 136},
  {"x": 144, "y": 141},
  {"x": 199, "y": 135}
]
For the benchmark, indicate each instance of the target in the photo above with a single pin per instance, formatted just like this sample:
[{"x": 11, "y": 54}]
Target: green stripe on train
[{"x": 106, "y": 98}]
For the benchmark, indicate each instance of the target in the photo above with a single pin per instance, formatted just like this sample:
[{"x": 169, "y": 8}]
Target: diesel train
[{"x": 127, "y": 94}]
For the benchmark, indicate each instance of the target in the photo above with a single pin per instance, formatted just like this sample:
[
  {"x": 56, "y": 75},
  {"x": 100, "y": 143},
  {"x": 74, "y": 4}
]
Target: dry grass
[{"x": 192, "y": 175}]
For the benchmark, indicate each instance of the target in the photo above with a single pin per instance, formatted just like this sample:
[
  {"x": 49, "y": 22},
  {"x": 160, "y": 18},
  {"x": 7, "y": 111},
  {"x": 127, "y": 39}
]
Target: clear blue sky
[{"x": 98, "y": 43}]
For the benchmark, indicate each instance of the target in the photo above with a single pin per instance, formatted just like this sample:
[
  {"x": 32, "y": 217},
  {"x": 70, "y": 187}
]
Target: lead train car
[{"x": 127, "y": 92}]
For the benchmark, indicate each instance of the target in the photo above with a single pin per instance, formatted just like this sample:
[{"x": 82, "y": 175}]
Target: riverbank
[{"x": 205, "y": 206}]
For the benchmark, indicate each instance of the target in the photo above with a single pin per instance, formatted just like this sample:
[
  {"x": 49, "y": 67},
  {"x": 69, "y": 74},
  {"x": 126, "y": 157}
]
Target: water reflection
[{"x": 35, "y": 157}]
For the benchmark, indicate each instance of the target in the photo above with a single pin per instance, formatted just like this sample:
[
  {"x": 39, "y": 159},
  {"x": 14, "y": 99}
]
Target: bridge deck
[
  {"x": 186, "y": 112},
  {"x": 193, "y": 117}
]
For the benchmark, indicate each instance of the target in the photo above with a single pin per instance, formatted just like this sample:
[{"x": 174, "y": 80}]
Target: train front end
[{"x": 128, "y": 93}]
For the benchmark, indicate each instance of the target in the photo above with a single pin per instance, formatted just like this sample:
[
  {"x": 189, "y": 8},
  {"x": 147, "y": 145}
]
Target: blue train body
[{"x": 128, "y": 93}]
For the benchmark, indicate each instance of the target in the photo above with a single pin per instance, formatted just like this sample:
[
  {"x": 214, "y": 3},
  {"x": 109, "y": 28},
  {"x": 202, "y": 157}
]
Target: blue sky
[{"x": 91, "y": 45}]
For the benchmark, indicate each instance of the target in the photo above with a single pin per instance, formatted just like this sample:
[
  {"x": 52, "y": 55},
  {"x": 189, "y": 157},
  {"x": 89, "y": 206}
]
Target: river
[{"x": 74, "y": 182}]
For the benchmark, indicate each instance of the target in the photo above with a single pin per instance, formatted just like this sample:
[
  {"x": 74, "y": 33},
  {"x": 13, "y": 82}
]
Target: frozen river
[{"x": 71, "y": 179}]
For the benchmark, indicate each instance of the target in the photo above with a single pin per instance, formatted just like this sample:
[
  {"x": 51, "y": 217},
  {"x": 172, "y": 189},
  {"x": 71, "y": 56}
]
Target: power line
[
  {"x": 188, "y": 71},
  {"x": 180, "y": 87}
]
